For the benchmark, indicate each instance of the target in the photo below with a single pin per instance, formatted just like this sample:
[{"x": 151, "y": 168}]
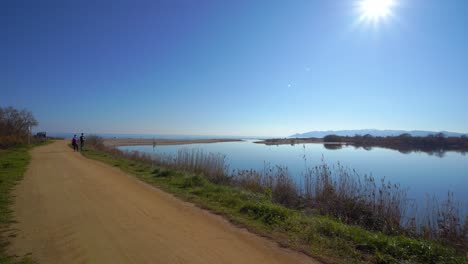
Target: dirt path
[{"x": 74, "y": 210}]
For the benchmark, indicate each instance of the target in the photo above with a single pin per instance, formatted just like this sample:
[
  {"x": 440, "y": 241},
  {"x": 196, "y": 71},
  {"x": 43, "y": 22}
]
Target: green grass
[
  {"x": 13, "y": 165},
  {"x": 322, "y": 237}
]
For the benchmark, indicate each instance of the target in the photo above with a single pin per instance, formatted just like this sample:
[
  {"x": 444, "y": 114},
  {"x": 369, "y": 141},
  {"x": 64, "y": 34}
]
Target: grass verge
[
  {"x": 323, "y": 238},
  {"x": 13, "y": 165}
]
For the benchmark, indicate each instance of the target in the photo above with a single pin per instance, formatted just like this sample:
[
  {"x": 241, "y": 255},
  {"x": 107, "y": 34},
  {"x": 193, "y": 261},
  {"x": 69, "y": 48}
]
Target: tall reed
[{"x": 334, "y": 190}]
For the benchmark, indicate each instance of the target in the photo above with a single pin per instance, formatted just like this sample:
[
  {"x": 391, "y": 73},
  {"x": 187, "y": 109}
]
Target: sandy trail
[{"x": 74, "y": 210}]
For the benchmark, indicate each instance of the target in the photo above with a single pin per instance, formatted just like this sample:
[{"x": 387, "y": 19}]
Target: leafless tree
[{"x": 15, "y": 125}]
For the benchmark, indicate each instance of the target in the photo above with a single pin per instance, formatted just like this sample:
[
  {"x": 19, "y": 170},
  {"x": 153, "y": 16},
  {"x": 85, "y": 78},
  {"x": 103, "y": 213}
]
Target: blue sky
[{"x": 266, "y": 68}]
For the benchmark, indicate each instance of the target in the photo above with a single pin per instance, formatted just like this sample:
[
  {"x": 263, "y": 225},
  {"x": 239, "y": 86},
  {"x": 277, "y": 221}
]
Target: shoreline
[
  {"x": 253, "y": 211},
  {"x": 117, "y": 142},
  {"x": 294, "y": 141}
]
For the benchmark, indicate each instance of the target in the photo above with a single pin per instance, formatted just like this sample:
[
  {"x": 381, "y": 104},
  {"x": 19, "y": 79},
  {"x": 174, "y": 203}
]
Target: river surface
[{"x": 420, "y": 173}]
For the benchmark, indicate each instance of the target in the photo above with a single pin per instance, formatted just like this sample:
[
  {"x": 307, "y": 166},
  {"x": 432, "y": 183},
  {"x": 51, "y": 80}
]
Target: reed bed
[{"x": 336, "y": 190}]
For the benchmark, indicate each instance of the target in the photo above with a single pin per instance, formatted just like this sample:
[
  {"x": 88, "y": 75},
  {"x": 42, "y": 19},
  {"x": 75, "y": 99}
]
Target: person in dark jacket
[
  {"x": 75, "y": 143},
  {"x": 82, "y": 140}
]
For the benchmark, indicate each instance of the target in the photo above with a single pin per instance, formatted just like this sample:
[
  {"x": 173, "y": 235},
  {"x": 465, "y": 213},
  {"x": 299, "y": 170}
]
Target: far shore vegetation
[
  {"x": 404, "y": 143},
  {"x": 335, "y": 216}
]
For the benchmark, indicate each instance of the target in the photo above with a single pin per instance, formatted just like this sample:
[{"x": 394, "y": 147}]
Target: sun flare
[{"x": 376, "y": 10}]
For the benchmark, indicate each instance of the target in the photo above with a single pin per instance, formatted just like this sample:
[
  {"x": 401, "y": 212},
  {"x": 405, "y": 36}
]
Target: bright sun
[{"x": 375, "y": 10}]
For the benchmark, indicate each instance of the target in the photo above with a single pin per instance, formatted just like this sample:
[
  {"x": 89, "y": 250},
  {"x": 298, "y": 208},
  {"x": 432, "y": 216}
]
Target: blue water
[
  {"x": 145, "y": 136},
  {"x": 422, "y": 174}
]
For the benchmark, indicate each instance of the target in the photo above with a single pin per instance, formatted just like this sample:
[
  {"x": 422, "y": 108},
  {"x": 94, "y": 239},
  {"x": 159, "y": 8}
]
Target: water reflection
[
  {"x": 333, "y": 146},
  {"x": 423, "y": 172},
  {"x": 440, "y": 153}
]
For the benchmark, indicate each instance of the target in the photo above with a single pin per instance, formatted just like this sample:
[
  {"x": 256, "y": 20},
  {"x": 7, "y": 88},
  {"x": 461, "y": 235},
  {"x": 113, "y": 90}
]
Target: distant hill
[{"x": 373, "y": 132}]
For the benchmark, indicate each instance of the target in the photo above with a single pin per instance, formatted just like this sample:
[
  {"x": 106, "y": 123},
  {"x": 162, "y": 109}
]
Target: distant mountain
[{"x": 373, "y": 132}]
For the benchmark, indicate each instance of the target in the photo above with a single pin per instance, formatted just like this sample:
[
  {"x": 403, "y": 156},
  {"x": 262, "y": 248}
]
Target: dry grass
[{"x": 337, "y": 191}]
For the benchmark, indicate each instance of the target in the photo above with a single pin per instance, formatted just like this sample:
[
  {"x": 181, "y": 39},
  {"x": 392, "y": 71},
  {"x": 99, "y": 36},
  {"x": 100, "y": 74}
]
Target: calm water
[
  {"x": 159, "y": 136},
  {"x": 420, "y": 172}
]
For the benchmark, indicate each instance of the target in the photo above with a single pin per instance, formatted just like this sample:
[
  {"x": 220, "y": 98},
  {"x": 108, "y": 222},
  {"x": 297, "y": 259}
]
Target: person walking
[
  {"x": 75, "y": 143},
  {"x": 82, "y": 140}
]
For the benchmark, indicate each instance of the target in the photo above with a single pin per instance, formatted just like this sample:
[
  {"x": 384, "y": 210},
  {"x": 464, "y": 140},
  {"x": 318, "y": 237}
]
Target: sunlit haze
[{"x": 376, "y": 9}]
